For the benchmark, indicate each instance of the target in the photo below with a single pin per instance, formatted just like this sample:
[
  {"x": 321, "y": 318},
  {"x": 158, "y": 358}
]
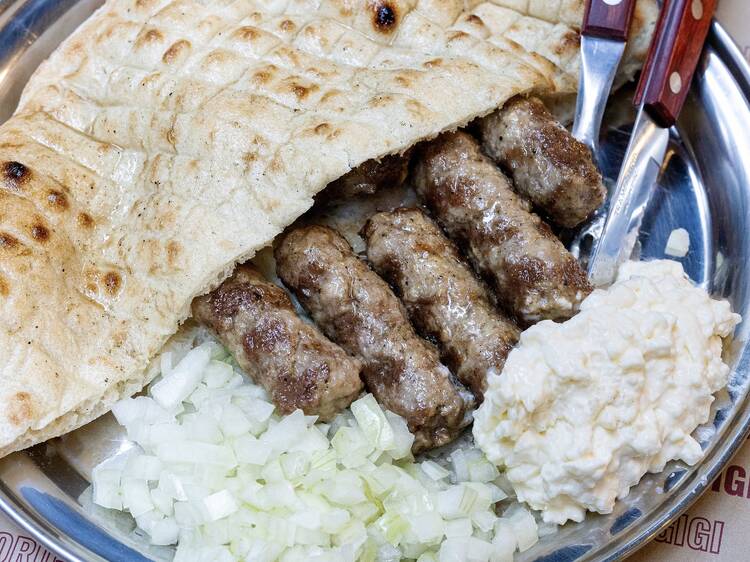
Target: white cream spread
[
  {"x": 678, "y": 244},
  {"x": 583, "y": 409}
]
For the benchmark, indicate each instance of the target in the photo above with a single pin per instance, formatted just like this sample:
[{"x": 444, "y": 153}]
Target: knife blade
[
  {"x": 672, "y": 60},
  {"x": 604, "y": 34},
  {"x": 641, "y": 167}
]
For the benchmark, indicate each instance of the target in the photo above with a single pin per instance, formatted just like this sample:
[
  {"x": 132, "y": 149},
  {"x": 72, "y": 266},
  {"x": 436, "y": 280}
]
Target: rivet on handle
[
  {"x": 673, "y": 58},
  {"x": 675, "y": 83},
  {"x": 697, "y": 9}
]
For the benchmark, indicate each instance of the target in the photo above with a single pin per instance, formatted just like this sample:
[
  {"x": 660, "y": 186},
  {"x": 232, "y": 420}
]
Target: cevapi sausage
[
  {"x": 444, "y": 298},
  {"x": 369, "y": 177},
  {"x": 534, "y": 276},
  {"x": 287, "y": 356},
  {"x": 548, "y": 165},
  {"x": 357, "y": 310}
]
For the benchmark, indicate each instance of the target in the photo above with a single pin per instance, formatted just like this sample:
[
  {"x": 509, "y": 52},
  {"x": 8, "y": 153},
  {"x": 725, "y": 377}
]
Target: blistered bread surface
[{"x": 165, "y": 141}]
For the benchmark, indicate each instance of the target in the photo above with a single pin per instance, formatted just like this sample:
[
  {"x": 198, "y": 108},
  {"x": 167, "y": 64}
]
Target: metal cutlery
[
  {"x": 665, "y": 80},
  {"x": 604, "y": 35}
]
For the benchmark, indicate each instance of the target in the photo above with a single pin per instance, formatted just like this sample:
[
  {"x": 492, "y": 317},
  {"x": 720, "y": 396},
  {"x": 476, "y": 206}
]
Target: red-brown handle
[
  {"x": 673, "y": 57},
  {"x": 608, "y": 18}
]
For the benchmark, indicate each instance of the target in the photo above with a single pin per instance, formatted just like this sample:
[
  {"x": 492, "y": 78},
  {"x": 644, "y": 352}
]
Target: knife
[
  {"x": 665, "y": 80},
  {"x": 604, "y": 34}
]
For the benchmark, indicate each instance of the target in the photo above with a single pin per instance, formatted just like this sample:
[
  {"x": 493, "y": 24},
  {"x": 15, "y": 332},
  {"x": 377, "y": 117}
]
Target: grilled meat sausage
[
  {"x": 445, "y": 300},
  {"x": 548, "y": 165},
  {"x": 369, "y": 177},
  {"x": 290, "y": 358},
  {"x": 536, "y": 278},
  {"x": 358, "y": 310}
]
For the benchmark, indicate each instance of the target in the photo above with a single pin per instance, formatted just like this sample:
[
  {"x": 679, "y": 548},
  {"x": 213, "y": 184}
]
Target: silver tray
[{"x": 705, "y": 188}]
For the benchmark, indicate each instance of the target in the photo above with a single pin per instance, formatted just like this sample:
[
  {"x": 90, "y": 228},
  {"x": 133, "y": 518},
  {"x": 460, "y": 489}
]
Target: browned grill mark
[
  {"x": 403, "y": 81},
  {"x": 380, "y": 100},
  {"x": 474, "y": 19},
  {"x": 150, "y": 36},
  {"x": 330, "y": 95},
  {"x": 301, "y": 92},
  {"x": 85, "y": 220},
  {"x": 4, "y": 287},
  {"x": 300, "y": 387},
  {"x": 289, "y": 56},
  {"x": 458, "y": 36},
  {"x": 322, "y": 129},
  {"x": 571, "y": 41},
  {"x": 150, "y": 79},
  {"x": 263, "y": 76},
  {"x": 327, "y": 131},
  {"x": 384, "y": 16},
  {"x": 287, "y": 25},
  {"x": 112, "y": 282},
  {"x": 173, "y": 252},
  {"x": 171, "y": 136},
  {"x": 247, "y": 33},
  {"x": 217, "y": 58},
  {"x": 76, "y": 48},
  {"x": 175, "y": 51},
  {"x": 58, "y": 200},
  {"x": 8, "y": 241},
  {"x": 40, "y": 233},
  {"x": 20, "y": 407},
  {"x": 15, "y": 175}
]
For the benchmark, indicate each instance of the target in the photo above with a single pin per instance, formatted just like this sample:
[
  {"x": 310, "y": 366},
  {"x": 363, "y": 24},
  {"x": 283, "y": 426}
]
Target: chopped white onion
[
  {"x": 372, "y": 423},
  {"x": 249, "y": 450},
  {"x": 219, "y": 505},
  {"x": 217, "y": 374},
  {"x": 434, "y": 470},
  {"x": 524, "y": 527},
  {"x": 136, "y": 496},
  {"x": 165, "y": 532},
  {"x": 177, "y": 385},
  {"x": 143, "y": 467},
  {"x": 107, "y": 486},
  {"x": 456, "y": 528},
  {"x": 217, "y": 473}
]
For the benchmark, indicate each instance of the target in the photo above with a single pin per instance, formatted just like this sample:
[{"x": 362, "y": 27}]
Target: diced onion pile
[{"x": 216, "y": 472}]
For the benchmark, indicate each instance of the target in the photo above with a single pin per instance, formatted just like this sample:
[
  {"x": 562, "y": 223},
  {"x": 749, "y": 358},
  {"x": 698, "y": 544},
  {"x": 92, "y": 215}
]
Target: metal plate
[{"x": 705, "y": 188}]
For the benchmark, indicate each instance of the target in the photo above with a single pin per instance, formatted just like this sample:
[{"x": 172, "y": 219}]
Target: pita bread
[{"x": 167, "y": 140}]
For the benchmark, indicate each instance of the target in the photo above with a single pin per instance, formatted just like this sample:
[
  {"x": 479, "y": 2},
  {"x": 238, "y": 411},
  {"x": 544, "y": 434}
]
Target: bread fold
[{"x": 167, "y": 140}]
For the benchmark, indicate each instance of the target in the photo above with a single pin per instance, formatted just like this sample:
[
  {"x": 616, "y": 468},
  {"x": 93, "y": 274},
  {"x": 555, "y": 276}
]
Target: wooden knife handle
[
  {"x": 609, "y": 19},
  {"x": 673, "y": 57}
]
